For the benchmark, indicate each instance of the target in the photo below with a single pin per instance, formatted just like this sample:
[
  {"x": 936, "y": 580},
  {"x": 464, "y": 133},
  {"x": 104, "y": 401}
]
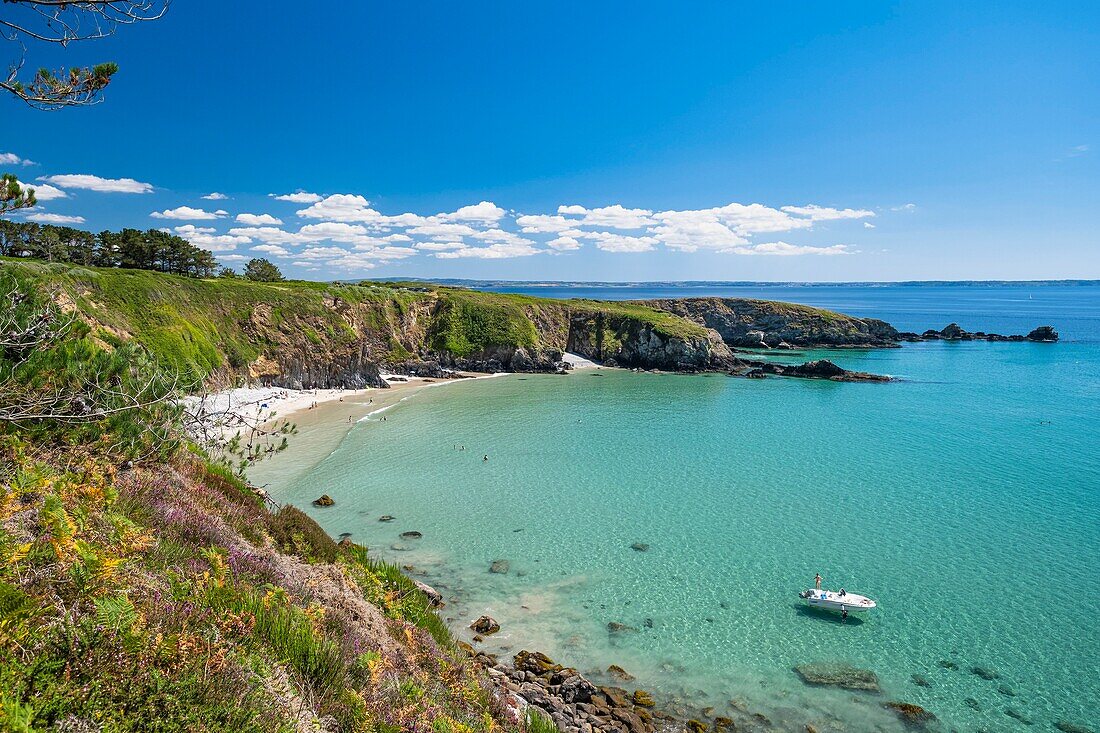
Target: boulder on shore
[
  {"x": 323, "y": 500},
  {"x": 485, "y": 625},
  {"x": 838, "y": 675}
]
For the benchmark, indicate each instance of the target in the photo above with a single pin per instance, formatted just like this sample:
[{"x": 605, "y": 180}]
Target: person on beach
[{"x": 817, "y": 581}]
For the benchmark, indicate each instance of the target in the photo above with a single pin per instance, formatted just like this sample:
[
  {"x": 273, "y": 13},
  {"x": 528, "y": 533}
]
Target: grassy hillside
[
  {"x": 223, "y": 327},
  {"x": 145, "y": 587}
]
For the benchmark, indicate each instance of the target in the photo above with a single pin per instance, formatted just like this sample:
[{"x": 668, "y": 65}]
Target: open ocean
[{"x": 964, "y": 498}]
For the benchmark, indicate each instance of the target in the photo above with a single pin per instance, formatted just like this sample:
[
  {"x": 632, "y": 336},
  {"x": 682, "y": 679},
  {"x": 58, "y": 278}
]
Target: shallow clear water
[{"x": 964, "y": 498}]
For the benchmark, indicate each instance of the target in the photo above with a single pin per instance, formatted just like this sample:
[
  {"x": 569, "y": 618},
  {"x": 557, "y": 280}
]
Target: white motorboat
[{"x": 840, "y": 600}]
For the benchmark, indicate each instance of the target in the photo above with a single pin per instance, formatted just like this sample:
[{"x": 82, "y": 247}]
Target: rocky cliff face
[
  {"x": 764, "y": 324},
  {"x": 630, "y": 342}
]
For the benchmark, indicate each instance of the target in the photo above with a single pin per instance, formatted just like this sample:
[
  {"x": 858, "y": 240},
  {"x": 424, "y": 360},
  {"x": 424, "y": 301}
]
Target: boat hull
[{"x": 850, "y": 602}]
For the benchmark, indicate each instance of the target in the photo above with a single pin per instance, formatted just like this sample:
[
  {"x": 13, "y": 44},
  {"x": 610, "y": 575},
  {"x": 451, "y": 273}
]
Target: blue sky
[{"x": 877, "y": 141}]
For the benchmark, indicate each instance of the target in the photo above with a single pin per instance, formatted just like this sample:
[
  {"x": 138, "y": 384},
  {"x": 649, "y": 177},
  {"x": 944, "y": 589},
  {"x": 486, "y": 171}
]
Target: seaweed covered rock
[
  {"x": 912, "y": 715},
  {"x": 323, "y": 500}
]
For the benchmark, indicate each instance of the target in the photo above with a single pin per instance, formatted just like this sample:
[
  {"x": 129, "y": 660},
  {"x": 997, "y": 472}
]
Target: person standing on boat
[{"x": 817, "y": 581}]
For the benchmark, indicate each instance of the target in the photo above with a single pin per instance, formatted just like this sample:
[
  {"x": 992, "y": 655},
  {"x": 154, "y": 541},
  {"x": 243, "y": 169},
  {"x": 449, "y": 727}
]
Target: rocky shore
[{"x": 953, "y": 332}]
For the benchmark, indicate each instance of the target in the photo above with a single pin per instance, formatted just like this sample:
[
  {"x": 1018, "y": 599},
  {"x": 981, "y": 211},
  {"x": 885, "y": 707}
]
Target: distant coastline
[{"x": 688, "y": 284}]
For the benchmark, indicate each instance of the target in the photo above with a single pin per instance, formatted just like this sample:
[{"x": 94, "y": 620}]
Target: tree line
[
  {"x": 129, "y": 248},
  {"x": 133, "y": 249}
]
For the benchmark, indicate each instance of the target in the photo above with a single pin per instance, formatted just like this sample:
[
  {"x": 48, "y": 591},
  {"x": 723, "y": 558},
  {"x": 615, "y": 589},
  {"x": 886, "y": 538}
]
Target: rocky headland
[{"x": 331, "y": 335}]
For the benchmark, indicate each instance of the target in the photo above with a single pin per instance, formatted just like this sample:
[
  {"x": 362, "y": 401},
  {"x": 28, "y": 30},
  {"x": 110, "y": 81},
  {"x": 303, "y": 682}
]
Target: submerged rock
[
  {"x": 920, "y": 680},
  {"x": 972, "y": 704},
  {"x": 411, "y": 535},
  {"x": 485, "y": 625},
  {"x": 1017, "y": 715},
  {"x": 985, "y": 673},
  {"x": 639, "y": 547},
  {"x": 1067, "y": 727},
  {"x": 910, "y": 714},
  {"x": 1006, "y": 691},
  {"x": 616, "y": 627},
  {"x": 619, "y": 673},
  {"x": 838, "y": 675},
  {"x": 499, "y": 566},
  {"x": 947, "y": 664},
  {"x": 323, "y": 500},
  {"x": 386, "y": 518}
]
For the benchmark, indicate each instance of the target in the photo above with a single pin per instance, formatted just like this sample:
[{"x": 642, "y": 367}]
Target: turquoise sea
[{"x": 964, "y": 498}]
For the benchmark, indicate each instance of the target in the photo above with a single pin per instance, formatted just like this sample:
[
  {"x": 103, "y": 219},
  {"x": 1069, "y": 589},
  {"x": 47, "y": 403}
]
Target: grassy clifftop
[{"x": 232, "y": 328}]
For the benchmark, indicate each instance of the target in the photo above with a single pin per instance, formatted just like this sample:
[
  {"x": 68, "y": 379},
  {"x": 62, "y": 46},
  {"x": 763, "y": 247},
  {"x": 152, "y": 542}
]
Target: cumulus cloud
[
  {"x": 270, "y": 235},
  {"x": 544, "y": 223},
  {"x": 95, "y": 183},
  {"x": 825, "y": 213},
  {"x": 13, "y": 159},
  {"x": 492, "y": 252},
  {"x": 256, "y": 220},
  {"x": 443, "y": 231},
  {"x": 55, "y": 219},
  {"x": 301, "y": 197},
  {"x": 613, "y": 242},
  {"x": 564, "y": 244},
  {"x": 439, "y": 246},
  {"x": 784, "y": 249},
  {"x": 868, "y": 225},
  {"x": 485, "y": 212},
  {"x": 215, "y": 196},
  {"x": 206, "y": 238},
  {"x": 188, "y": 212},
  {"x": 271, "y": 249},
  {"x": 615, "y": 216}
]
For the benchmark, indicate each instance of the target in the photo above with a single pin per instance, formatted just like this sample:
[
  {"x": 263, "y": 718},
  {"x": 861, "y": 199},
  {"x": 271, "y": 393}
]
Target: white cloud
[
  {"x": 612, "y": 242},
  {"x": 215, "y": 196},
  {"x": 271, "y": 249},
  {"x": 95, "y": 183},
  {"x": 689, "y": 231},
  {"x": 188, "y": 212},
  {"x": 492, "y": 252},
  {"x": 439, "y": 246},
  {"x": 868, "y": 225},
  {"x": 44, "y": 191},
  {"x": 485, "y": 212},
  {"x": 538, "y": 223},
  {"x": 270, "y": 235},
  {"x": 904, "y": 207},
  {"x": 443, "y": 231},
  {"x": 301, "y": 197},
  {"x": 256, "y": 220},
  {"x": 784, "y": 249},
  {"x": 825, "y": 213},
  {"x": 13, "y": 159},
  {"x": 344, "y": 207},
  {"x": 232, "y": 258},
  {"x": 205, "y": 237},
  {"x": 564, "y": 244},
  {"x": 501, "y": 236},
  {"x": 615, "y": 216},
  {"x": 55, "y": 219}
]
